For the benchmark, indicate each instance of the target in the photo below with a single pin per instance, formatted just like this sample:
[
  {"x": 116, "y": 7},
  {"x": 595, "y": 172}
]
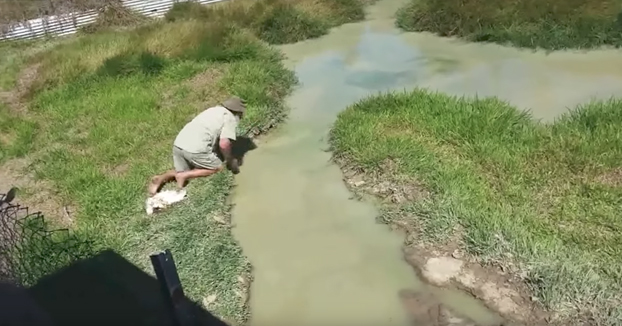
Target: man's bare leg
[
  {"x": 159, "y": 180},
  {"x": 182, "y": 177}
]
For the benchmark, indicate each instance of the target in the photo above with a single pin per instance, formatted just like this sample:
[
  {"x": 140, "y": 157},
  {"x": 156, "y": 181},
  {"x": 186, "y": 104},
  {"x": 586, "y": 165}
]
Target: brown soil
[
  {"x": 499, "y": 286},
  {"x": 36, "y": 195},
  {"x": 394, "y": 190}
]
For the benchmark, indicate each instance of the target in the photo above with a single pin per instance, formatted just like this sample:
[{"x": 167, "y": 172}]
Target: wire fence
[{"x": 29, "y": 250}]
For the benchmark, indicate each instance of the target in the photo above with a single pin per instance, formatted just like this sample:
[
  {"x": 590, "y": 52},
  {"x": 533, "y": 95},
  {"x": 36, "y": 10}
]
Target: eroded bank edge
[{"x": 446, "y": 265}]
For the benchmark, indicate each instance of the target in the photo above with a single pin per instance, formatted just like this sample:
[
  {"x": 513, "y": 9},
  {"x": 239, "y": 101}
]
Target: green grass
[
  {"x": 551, "y": 24},
  {"x": 103, "y": 109},
  {"x": 10, "y": 63},
  {"x": 545, "y": 196},
  {"x": 16, "y": 134},
  {"x": 276, "y": 21},
  {"x": 14, "y": 57}
]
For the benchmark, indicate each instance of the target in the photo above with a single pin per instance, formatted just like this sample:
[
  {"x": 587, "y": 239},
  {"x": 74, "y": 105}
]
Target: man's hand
[
  {"x": 225, "y": 149},
  {"x": 232, "y": 165}
]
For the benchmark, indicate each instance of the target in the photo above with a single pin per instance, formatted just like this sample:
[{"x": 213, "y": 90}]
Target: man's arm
[
  {"x": 225, "y": 148},
  {"x": 227, "y": 135}
]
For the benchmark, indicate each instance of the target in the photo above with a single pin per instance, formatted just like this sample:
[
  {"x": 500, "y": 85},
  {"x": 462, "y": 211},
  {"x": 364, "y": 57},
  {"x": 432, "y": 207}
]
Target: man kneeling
[{"x": 194, "y": 149}]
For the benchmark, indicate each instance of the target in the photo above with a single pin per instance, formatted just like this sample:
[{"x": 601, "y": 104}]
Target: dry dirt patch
[
  {"x": 385, "y": 186},
  {"x": 37, "y": 195}
]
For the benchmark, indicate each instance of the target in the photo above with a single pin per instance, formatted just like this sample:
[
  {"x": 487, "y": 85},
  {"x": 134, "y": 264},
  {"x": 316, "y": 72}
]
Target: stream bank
[{"x": 444, "y": 267}]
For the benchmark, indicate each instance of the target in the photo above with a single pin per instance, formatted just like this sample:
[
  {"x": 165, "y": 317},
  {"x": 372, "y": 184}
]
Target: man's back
[{"x": 200, "y": 134}]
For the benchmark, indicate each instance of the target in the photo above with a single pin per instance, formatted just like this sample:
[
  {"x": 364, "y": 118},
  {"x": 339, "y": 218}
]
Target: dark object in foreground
[
  {"x": 18, "y": 308},
  {"x": 8, "y": 198},
  {"x": 241, "y": 146},
  {"x": 108, "y": 290},
  {"x": 166, "y": 273}
]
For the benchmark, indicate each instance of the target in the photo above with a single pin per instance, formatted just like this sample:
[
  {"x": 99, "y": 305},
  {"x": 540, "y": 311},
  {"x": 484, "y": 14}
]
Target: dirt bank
[{"x": 499, "y": 286}]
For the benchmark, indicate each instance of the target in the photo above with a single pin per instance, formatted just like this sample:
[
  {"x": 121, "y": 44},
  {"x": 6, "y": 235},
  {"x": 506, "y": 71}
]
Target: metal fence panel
[{"x": 69, "y": 23}]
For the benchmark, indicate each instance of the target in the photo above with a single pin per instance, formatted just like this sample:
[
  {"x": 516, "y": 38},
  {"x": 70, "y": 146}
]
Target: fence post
[{"x": 175, "y": 299}]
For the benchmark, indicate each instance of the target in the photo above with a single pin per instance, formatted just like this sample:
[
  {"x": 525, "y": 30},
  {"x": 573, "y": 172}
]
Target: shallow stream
[{"x": 318, "y": 255}]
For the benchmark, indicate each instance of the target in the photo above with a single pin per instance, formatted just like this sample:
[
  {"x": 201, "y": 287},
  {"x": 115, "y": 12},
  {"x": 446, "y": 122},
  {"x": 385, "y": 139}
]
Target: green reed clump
[
  {"x": 551, "y": 24},
  {"x": 187, "y": 10},
  {"x": 276, "y": 21},
  {"x": 284, "y": 23}
]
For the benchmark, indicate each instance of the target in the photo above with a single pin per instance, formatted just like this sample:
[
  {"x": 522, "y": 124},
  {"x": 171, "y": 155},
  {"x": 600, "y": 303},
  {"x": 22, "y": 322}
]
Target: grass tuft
[
  {"x": 16, "y": 134},
  {"x": 544, "y": 196},
  {"x": 275, "y": 21},
  {"x": 186, "y": 10},
  {"x": 286, "y": 24},
  {"x": 130, "y": 63},
  {"x": 551, "y": 25},
  {"x": 345, "y": 11}
]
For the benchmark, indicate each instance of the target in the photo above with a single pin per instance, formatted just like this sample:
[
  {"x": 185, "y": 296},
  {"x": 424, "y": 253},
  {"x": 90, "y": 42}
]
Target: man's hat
[{"x": 235, "y": 104}]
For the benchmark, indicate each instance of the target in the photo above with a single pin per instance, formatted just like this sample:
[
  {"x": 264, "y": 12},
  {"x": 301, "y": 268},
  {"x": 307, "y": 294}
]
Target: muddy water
[{"x": 318, "y": 255}]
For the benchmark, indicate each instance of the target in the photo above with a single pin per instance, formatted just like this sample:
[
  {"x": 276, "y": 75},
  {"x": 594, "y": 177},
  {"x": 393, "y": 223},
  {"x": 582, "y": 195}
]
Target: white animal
[{"x": 164, "y": 199}]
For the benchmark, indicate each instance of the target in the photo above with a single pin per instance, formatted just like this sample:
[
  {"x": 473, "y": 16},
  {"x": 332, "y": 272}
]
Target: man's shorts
[{"x": 185, "y": 161}]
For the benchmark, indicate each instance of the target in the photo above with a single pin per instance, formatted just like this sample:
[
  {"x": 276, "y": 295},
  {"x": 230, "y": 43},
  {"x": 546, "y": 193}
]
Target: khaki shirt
[{"x": 200, "y": 134}]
